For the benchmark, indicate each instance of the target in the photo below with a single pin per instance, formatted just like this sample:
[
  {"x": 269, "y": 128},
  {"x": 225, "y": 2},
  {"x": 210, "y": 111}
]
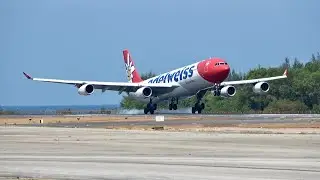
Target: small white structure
[
  {"x": 41, "y": 121},
  {"x": 159, "y": 118}
]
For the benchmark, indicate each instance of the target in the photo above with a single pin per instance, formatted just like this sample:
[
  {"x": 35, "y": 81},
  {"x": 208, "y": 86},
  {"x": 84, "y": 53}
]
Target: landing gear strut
[
  {"x": 173, "y": 104},
  {"x": 216, "y": 90},
  {"x": 150, "y": 108}
]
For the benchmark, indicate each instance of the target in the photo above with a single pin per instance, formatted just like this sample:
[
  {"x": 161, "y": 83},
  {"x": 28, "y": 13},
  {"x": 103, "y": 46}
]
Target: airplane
[{"x": 191, "y": 80}]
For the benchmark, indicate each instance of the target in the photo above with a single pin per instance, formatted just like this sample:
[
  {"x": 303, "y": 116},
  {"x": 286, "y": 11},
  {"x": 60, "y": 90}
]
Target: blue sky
[{"x": 84, "y": 40}]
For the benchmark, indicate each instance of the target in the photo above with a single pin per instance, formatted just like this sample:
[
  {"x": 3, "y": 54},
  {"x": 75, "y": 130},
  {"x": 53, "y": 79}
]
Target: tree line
[{"x": 299, "y": 93}]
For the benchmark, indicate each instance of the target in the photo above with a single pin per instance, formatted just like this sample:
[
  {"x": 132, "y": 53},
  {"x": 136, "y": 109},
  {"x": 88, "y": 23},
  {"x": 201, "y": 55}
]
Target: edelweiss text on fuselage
[{"x": 184, "y": 73}]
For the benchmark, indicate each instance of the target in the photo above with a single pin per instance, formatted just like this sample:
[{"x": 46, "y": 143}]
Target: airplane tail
[{"x": 132, "y": 73}]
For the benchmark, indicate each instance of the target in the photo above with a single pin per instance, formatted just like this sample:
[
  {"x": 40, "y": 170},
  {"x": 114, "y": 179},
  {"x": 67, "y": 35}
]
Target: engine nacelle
[
  {"x": 228, "y": 91},
  {"x": 143, "y": 92},
  {"x": 86, "y": 89},
  {"x": 261, "y": 87}
]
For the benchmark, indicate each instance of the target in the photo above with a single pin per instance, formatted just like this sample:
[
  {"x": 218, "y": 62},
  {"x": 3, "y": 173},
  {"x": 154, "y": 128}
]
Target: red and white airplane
[{"x": 194, "y": 79}]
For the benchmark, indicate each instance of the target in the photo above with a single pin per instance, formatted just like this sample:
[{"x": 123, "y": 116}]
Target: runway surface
[
  {"x": 91, "y": 153},
  {"x": 202, "y": 120}
]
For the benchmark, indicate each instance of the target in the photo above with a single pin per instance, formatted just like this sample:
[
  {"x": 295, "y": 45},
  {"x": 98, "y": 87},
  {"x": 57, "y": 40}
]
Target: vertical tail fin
[{"x": 132, "y": 73}]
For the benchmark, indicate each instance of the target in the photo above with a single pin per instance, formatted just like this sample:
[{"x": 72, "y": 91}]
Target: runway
[
  {"x": 93, "y": 153},
  {"x": 175, "y": 120}
]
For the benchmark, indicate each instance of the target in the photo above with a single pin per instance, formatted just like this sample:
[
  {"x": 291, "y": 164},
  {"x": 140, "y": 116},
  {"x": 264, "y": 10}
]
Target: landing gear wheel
[
  {"x": 173, "y": 103},
  {"x": 193, "y": 110},
  {"x": 146, "y": 110},
  {"x": 150, "y": 108},
  {"x": 202, "y": 106},
  {"x": 198, "y": 107},
  {"x": 217, "y": 90},
  {"x": 174, "y": 106},
  {"x": 218, "y": 93}
]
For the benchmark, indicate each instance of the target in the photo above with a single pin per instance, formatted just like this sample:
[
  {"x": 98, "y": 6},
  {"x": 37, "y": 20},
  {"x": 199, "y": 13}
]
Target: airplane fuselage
[{"x": 189, "y": 79}]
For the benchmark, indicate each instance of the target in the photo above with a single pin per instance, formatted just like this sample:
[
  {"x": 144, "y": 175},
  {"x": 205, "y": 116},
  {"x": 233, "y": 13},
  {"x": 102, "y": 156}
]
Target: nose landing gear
[{"x": 216, "y": 90}]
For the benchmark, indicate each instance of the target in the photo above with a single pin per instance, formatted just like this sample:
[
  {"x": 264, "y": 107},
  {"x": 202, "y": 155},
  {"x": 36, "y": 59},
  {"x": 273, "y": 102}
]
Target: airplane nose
[
  {"x": 222, "y": 72},
  {"x": 225, "y": 70},
  {"x": 214, "y": 70}
]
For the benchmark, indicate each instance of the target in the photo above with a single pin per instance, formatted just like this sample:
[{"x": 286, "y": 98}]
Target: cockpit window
[{"x": 221, "y": 63}]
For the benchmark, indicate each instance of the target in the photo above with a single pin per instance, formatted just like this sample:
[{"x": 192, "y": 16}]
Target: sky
[{"x": 83, "y": 40}]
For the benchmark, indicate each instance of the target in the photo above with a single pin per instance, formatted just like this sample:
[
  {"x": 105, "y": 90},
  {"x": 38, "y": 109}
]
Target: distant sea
[{"x": 51, "y": 110}]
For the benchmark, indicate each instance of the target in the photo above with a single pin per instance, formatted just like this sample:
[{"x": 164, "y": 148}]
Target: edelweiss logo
[
  {"x": 179, "y": 75},
  {"x": 129, "y": 68}
]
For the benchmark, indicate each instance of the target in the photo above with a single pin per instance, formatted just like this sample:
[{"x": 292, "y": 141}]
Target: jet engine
[
  {"x": 143, "y": 92},
  {"x": 228, "y": 91},
  {"x": 86, "y": 89},
  {"x": 261, "y": 87}
]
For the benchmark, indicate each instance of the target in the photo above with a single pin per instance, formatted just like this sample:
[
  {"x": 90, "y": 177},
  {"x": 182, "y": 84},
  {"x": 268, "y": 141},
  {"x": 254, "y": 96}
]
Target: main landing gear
[
  {"x": 150, "y": 108},
  {"x": 199, "y": 105},
  {"x": 173, "y": 104}
]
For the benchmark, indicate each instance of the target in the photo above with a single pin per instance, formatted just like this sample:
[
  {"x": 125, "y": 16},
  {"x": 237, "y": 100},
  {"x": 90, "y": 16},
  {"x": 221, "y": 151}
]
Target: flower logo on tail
[{"x": 129, "y": 68}]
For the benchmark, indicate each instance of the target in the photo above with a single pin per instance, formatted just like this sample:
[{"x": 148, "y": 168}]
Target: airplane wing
[
  {"x": 112, "y": 86},
  {"x": 252, "y": 81}
]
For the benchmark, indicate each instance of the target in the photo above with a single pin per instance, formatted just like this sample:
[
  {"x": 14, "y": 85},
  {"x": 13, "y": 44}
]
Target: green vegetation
[
  {"x": 3, "y": 112},
  {"x": 64, "y": 112},
  {"x": 299, "y": 93}
]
